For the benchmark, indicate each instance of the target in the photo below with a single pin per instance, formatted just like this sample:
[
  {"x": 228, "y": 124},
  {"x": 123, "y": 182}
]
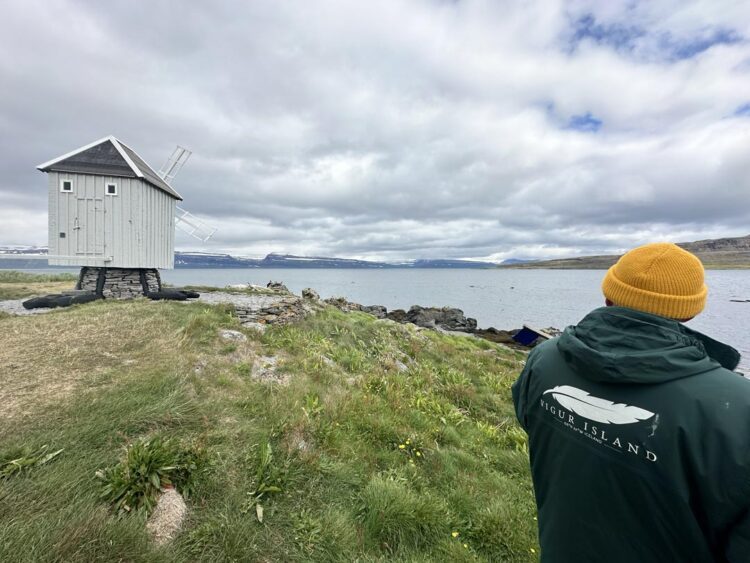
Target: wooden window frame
[{"x": 62, "y": 185}]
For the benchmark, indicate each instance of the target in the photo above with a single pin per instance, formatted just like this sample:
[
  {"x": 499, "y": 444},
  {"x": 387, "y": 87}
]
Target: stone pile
[
  {"x": 125, "y": 284},
  {"x": 87, "y": 279},
  {"x": 280, "y": 311},
  {"x": 119, "y": 283}
]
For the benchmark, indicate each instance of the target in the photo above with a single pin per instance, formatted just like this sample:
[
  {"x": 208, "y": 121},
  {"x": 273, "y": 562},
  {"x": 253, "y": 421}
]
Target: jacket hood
[{"x": 620, "y": 345}]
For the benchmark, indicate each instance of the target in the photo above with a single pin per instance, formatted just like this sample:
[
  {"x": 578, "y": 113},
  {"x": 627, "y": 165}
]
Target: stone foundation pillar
[{"x": 119, "y": 283}]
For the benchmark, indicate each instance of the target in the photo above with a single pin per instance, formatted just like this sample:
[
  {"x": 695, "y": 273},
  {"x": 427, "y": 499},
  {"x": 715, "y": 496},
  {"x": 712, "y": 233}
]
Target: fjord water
[{"x": 500, "y": 298}]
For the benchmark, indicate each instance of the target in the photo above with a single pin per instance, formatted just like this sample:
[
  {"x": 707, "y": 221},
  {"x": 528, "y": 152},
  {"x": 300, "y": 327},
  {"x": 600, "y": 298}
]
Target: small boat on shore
[{"x": 527, "y": 336}]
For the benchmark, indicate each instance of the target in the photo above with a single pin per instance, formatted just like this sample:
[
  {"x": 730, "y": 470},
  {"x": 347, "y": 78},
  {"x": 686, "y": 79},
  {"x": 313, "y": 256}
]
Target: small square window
[
  {"x": 66, "y": 185},
  {"x": 111, "y": 189}
]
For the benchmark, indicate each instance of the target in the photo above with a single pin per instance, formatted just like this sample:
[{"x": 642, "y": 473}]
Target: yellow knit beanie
[{"x": 659, "y": 278}]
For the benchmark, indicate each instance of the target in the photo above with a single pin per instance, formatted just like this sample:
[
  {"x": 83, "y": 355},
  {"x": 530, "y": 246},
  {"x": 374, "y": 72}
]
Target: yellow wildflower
[
  {"x": 408, "y": 442},
  {"x": 401, "y": 446},
  {"x": 454, "y": 534},
  {"x": 466, "y": 546},
  {"x": 533, "y": 550},
  {"x": 419, "y": 454}
]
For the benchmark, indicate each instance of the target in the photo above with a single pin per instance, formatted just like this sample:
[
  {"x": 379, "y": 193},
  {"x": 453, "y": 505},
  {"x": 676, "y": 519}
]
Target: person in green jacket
[{"x": 639, "y": 429}]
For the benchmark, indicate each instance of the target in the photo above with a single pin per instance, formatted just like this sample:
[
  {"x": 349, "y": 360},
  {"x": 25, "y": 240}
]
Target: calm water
[{"x": 499, "y": 298}]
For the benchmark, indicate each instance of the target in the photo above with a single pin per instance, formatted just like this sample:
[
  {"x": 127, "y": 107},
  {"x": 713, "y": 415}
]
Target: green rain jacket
[{"x": 639, "y": 438}]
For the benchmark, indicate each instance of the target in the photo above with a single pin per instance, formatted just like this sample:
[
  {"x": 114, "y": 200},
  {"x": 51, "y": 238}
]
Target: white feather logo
[{"x": 594, "y": 408}]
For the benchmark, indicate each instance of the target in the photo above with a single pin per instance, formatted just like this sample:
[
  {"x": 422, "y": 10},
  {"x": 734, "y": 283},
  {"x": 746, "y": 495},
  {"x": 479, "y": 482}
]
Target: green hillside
[{"x": 362, "y": 440}]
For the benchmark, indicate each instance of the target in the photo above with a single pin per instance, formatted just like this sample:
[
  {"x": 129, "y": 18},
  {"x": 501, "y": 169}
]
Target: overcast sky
[{"x": 398, "y": 128}]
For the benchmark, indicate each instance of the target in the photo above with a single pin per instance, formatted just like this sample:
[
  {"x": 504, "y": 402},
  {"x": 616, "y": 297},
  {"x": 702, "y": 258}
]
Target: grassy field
[
  {"x": 386, "y": 443},
  {"x": 17, "y": 285}
]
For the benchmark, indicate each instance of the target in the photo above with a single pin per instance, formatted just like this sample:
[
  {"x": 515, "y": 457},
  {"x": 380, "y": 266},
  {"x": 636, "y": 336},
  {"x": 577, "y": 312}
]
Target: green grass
[
  {"x": 331, "y": 456},
  {"x": 17, "y": 285},
  {"x": 12, "y": 276}
]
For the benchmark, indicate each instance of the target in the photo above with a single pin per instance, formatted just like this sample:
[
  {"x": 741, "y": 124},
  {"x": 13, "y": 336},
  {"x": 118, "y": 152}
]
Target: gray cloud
[{"x": 395, "y": 129}]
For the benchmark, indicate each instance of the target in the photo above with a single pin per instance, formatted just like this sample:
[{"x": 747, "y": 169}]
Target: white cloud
[{"x": 395, "y": 129}]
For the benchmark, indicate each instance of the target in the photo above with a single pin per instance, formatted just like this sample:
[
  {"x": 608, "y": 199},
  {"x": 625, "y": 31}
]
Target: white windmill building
[{"x": 113, "y": 215}]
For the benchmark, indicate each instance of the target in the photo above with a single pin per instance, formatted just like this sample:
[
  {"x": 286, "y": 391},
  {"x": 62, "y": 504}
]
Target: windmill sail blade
[
  {"x": 178, "y": 159},
  {"x": 190, "y": 224},
  {"x": 184, "y": 220}
]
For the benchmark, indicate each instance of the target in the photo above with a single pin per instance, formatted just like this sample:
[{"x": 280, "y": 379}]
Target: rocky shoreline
[{"x": 443, "y": 319}]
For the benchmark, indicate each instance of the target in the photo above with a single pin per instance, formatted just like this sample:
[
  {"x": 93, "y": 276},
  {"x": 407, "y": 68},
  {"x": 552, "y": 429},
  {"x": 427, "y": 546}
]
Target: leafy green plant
[
  {"x": 488, "y": 430},
  {"x": 312, "y": 406},
  {"x": 17, "y": 461},
  {"x": 268, "y": 479},
  {"x": 451, "y": 376},
  {"x": 516, "y": 439},
  {"x": 441, "y": 409},
  {"x": 148, "y": 467},
  {"x": 308, "y": 531}
]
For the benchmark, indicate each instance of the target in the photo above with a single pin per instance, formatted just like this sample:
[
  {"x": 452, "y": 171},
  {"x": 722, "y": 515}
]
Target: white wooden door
[{"x": 89, "y": 226}]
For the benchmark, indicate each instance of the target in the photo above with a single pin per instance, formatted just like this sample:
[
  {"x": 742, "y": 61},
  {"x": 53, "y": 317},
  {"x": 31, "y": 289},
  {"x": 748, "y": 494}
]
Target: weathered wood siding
[{"x": 135, "y": 228}]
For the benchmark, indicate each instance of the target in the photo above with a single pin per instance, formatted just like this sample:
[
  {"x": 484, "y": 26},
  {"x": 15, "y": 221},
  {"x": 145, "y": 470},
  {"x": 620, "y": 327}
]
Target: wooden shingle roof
[{"x": 108, "y": 157}]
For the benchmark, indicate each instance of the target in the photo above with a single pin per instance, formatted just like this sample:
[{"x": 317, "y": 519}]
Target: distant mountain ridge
[
  {"x": 732, "y": 252},
  {"x": 206, "y": 260},
  {"x": 273, "y": 260},
  {"x": 722, "y": 253}
]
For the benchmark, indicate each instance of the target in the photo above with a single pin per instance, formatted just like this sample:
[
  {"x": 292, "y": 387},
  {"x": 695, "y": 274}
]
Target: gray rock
[
  {"x": 166, "y": 519},
  {"x": 343, "y": 305},
  {"x": 446, "y": 318},
  {"x": 310, "y": 293},
  {"x": 265, "y": 369},
  {"x": 277, "y": 286},
  {"x": 398, "y": 315},
  {"x": 236, "y": 335},
  {"x": 378, "y": 311}
]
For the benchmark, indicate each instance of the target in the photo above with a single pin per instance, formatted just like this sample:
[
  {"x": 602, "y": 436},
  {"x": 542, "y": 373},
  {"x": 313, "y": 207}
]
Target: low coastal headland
[
  {"x": 180, "y": 431},
  {"x": 715, "y": 254}
]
